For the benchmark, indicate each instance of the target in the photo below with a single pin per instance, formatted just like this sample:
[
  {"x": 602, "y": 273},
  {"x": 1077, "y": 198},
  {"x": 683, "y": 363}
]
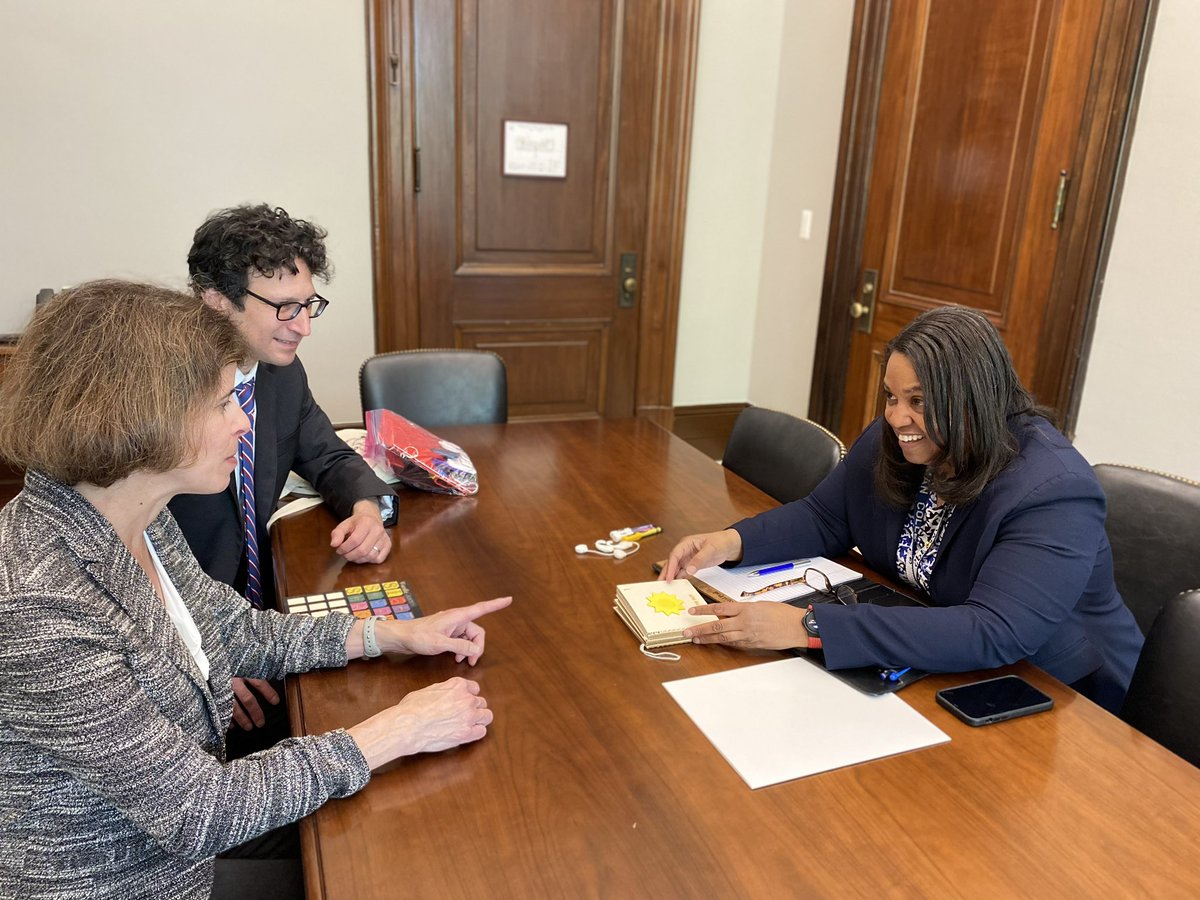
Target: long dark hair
[{"x": 971, "y": 391}]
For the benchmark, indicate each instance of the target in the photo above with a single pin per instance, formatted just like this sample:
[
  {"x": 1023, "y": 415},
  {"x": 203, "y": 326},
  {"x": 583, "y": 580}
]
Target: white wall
[
  {"x": 1140, "y": 402},
  {"x": 769, "y": 86},
  {"x": 126, "y": 122},
  {"x": 808, "y": 117},
  {"x": 732, "y": 131}
]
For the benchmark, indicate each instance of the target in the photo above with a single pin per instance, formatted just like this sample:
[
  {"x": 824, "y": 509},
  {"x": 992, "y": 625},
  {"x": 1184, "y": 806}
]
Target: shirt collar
[{"x": 239, "y": 378}]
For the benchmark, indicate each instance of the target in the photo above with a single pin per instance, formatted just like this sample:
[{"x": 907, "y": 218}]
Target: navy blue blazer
[
  {"x": 290, "y": 432},
  {"x": 1024, "y": 571}
]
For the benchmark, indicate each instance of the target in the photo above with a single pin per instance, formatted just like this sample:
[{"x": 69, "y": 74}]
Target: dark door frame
[
  {"x": 393, "y": 202},
  {"x": 1089, "y": 215}
]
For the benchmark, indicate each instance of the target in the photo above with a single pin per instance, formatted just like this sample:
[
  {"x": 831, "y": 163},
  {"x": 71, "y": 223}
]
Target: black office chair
[
  {"x": 779, "y": 454},
  {"x": 1154, "y": 528},
  {"x": 437, "y": 387},
  {"x": 1163, "y": 702}
]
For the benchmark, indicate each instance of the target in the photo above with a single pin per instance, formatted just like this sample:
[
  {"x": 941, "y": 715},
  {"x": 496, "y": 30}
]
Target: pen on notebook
[
  {"x": 894, "y": 674},
  {"x": 782, "y": 567}
]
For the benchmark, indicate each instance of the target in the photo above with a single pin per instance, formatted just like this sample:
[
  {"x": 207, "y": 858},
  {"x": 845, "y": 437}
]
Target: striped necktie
[{"x": 245, "y": 396}]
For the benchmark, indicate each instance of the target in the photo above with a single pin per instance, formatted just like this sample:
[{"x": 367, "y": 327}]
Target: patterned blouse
[{"x": 921, "y": 537}]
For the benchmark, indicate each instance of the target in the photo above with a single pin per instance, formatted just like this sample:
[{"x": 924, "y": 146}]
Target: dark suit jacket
[
  {"x": 1025, "y": 571},
  {"x": 290, "y": 432}
]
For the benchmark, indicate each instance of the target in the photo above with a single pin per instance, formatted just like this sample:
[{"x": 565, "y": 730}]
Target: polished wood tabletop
[{"x": 592, "y": 782}]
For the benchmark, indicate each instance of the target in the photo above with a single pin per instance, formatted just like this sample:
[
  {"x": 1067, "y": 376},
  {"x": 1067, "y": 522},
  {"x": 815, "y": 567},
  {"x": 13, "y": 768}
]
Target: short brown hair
[{"x": 107, "y": 380}]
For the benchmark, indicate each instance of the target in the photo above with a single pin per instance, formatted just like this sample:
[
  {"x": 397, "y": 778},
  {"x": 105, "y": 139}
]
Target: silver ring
[{"x": 375, "y": 549}]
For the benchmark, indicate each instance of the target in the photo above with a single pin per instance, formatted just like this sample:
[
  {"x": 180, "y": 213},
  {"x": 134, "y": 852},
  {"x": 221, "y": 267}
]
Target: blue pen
[
  {"x": 782, "y": 567},
  {"x": 894, "y": 674}
]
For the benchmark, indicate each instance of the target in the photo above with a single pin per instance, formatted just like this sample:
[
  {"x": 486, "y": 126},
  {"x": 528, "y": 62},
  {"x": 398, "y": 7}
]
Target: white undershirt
[{"x": 184, "y": 623}]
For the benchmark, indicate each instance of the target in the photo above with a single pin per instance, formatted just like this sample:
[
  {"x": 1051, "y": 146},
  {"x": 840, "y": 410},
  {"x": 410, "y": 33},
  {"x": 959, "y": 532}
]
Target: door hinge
[
  {"x": 1060, "y": 200},
  {"x": 416, "y": 164}
]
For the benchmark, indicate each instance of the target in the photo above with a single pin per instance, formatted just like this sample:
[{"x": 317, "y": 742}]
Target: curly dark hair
[
  {"x": 971, "y": 391},
  {"x": 232, "y": 243}
]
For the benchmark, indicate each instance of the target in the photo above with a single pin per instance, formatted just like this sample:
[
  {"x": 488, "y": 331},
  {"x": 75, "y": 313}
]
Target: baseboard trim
[{"x": 707, "y": 426}]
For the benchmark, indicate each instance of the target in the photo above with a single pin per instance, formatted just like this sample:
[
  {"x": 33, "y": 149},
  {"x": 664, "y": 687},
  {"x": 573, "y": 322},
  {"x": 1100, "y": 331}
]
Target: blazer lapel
[{"x": 91, "y": 538}]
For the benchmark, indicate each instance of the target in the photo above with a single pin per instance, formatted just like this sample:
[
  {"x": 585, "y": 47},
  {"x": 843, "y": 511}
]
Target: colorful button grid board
[{"x": 389, "y": 600}]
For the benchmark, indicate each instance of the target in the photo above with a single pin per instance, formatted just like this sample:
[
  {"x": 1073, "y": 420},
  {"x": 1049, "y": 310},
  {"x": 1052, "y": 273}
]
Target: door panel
[
  {"x": 529, "y": 77},
  {"x": 981, "y": 108},
  {"x": 529, "y": 266}
]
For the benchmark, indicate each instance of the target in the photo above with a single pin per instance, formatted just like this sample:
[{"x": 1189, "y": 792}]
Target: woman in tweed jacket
[{"x": 113, "y": 781}]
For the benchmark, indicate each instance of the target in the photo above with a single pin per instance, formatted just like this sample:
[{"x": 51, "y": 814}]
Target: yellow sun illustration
[{"x": 667, "y": 604}]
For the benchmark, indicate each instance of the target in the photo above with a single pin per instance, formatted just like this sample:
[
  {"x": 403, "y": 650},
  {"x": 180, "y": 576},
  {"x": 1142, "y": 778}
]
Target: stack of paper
[
  {"x": 733, "y": 581},
  {"x": 783, "y": 720},
  {"x": 657, "y": 611}
]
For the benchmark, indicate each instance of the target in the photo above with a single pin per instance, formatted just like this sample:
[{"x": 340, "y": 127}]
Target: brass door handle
[
  {"x": 629, "y": 285},
  {"x": 862, "y": 310}
]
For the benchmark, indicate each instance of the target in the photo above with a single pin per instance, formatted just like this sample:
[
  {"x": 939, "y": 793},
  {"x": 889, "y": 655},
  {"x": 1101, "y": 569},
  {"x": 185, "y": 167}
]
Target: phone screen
[{"x": 995, "y": 699}]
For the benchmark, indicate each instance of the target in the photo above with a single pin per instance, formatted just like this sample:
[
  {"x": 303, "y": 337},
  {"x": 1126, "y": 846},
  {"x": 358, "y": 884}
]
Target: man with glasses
[{"x": 256, "y": 264}]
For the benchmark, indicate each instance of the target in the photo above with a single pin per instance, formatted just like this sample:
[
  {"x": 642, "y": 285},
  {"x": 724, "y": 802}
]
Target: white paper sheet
[
  {"x": 731, "y": 582},
  {"x": 788, "y": 719}
]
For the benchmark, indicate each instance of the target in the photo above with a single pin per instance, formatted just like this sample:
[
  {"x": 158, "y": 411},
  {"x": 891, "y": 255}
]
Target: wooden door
[
  {"x": 524, "y": 257},
  {"x": 983, "y": 114}
]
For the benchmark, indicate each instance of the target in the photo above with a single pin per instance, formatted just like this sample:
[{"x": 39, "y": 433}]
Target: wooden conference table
[{"x": 592, "y": 781}]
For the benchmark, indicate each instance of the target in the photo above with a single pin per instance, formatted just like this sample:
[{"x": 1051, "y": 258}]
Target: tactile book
[{"x": 657, "y": 611}]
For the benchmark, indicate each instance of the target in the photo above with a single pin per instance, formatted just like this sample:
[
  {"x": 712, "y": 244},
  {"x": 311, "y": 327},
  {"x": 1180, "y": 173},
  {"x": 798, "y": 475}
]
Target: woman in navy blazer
[{"x": 967, "y": 493}]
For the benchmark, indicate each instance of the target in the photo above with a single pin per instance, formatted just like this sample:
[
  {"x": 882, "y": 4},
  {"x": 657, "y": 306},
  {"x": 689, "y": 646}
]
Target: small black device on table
[{"x": 994, "y": 700}]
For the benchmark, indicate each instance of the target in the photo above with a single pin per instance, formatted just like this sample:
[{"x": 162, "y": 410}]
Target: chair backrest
[
  {"x": 1154, "y": 528},
  {"x": 437, "y": 387},
  {"x": 1163, "y": 702},
  {"x": 781, "y": 455}
]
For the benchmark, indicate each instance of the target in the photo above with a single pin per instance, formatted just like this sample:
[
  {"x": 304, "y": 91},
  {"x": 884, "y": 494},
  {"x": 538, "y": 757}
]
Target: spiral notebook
[{"x": 657, "y": 611}]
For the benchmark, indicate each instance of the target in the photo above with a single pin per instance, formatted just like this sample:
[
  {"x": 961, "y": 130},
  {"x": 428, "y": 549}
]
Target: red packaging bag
[{"x": 416, "y": 457}]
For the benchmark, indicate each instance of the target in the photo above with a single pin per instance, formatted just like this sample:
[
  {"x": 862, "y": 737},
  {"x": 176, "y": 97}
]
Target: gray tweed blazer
[{"x": 113, "y": 780}]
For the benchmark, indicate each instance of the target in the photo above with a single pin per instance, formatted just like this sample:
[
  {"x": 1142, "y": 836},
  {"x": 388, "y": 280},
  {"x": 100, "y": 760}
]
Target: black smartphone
[{"x": 994, "y": 700}]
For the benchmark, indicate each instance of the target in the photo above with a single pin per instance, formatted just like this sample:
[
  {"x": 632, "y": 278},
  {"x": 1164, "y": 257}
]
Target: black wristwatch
[{"x": 810, "y": 624}]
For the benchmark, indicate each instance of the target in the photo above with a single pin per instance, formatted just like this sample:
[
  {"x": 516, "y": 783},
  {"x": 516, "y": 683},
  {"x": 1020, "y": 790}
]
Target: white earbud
[{"x": 616, "y": 550}]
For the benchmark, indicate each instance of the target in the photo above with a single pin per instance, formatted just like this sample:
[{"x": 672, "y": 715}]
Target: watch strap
[{"x": 370, "y": 645}]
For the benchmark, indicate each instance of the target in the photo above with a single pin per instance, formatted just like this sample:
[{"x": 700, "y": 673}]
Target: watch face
[{"x": 810, "y": 623}]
